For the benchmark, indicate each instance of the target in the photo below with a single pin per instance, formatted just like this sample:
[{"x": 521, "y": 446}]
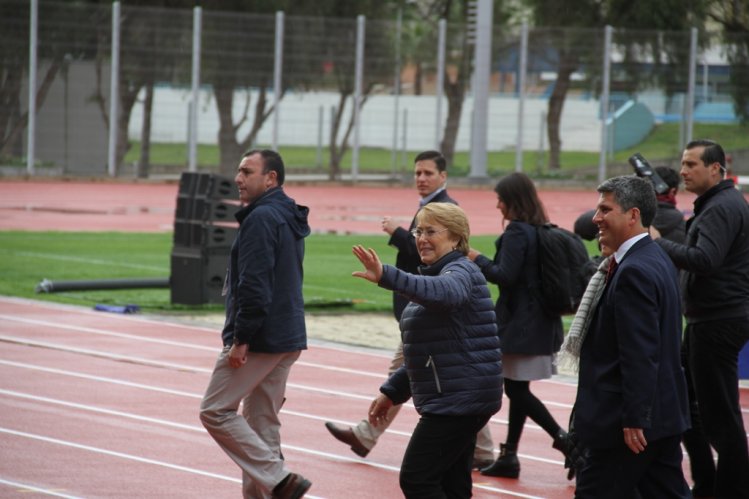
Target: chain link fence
[{"x": 302, "y": 99}]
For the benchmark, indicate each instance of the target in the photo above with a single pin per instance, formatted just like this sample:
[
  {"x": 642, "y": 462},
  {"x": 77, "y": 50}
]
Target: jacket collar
[
  {"x": 699, "y": 203},
  {"x": 436, "y": 267}
]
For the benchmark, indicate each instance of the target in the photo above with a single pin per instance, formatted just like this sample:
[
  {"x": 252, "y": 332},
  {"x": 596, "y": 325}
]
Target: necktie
[{"x": 612, "y": 268}]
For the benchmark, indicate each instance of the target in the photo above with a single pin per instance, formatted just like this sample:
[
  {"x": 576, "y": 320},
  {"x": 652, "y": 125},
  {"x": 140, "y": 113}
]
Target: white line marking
[
  {"x": 121, "y": 455},
  {"x": 32, "y": 488}
]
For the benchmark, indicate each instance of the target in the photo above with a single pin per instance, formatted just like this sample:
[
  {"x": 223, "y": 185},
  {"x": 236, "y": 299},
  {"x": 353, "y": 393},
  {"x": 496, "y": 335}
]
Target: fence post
[
  {"x": 357, "y": 94},
  {"x": 396, "y": 90},
  {"x": 114, "y": 91},
  {"x": 440, "y": 80},
  {"x": 197, "y": 23},
  {"x": 318, "y": 159},
  {"x": 277, "y": 73},
  {"x": 689, "y": 102},
  {"x": 481, "y": 75},
  {"x": 522, "y": 71},
  {"x": 607, "y": 32},
  {"x": 31, "y": 130}
]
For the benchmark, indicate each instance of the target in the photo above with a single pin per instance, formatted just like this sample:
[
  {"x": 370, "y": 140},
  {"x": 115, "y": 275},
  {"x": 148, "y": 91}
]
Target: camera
[{"x": 643, "y": 169}]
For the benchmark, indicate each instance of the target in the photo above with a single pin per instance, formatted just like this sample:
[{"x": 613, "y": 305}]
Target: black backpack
[{"x": 564, "y": 269}]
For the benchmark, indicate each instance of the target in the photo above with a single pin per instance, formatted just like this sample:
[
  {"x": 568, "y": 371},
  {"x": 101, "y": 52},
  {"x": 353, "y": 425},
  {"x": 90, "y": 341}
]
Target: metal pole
[
  {"x": 114, "y": 91},
  {"x": 277, "y": 70},
  {"x": 522, "y": 71},
  {"x": 705, "y": 93},
  {"x": 404, "y": 144},
  {"x": 320, "y": 112},
  {"x": 442, "y": 36},
  {"x": 482, "y": 73},
  {"x": 608, "y": 31},
  {"x": 689, "y": 104},
  {"x": 396, "y": 89},
  {"x": 357, "y": 94},
  {"x": 197, "y": 23},
  {"x": 31, "y": 129}
]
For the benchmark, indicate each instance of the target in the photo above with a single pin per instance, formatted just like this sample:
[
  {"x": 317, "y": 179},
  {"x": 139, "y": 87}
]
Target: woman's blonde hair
[{"x": 452, "y": 217}]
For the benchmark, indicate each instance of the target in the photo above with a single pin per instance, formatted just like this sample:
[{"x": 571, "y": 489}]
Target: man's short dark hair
[
  {"x": 631, "y": 191},
  {"x": 713, "y": 152},
  {"x": 669, "y": 175},
  {"x": 435, "y": 156},
  {"x": 272, "y": 162}
]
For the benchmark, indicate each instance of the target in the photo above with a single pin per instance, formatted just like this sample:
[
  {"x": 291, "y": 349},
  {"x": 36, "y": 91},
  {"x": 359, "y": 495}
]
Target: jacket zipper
[{"x": 430, "y": 363}]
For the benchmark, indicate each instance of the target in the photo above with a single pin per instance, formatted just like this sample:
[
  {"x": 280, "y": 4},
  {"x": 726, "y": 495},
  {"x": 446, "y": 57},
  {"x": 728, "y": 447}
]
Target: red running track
[
  {"x": 149, "y": 207},
  {"x": 103, "y": 405}
]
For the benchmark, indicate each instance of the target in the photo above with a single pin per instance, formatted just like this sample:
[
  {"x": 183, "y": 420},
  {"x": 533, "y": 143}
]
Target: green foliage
[{"x": 26, "y": 258}]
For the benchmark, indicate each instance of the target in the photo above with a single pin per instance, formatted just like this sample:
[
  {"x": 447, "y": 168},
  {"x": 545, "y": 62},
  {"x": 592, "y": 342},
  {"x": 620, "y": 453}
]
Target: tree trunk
[
  {"x": 10, "y": 109},
  {"x": 41, "y": 95},
  {"x": 567, "y": 65},
  {"x": 128, "y": 96},
  {"x": 229, "y": 148},
  {"x": 144, "y": 162},
  {"x": 336, "y": 153},
  {"x": 454, "y": 93},
  {"x": 418, "y": 78}
]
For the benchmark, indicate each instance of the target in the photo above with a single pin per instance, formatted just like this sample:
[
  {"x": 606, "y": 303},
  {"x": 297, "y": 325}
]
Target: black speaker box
[
  {"x": 197, "y": 276},
  {"x": 192, "y": 234},
  {"x": 213, "y": 210}
]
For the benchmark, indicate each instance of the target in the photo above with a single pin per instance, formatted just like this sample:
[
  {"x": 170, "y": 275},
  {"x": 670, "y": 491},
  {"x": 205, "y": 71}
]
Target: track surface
[{"x": 104, "y": 405}]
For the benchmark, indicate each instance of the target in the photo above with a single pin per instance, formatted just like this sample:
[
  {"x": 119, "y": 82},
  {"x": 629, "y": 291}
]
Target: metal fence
[{"x": 195, "y": 78}]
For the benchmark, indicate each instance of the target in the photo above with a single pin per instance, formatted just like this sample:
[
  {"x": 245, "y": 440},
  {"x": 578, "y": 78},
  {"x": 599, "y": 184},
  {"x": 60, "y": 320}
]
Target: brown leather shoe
[
  {"x": 294, "y": 487},
  {"x": 346, "y": 435}
]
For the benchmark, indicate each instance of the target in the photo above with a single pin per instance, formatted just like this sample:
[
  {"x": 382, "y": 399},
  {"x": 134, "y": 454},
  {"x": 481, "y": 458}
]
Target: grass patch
[
  {"x": 26, "y": 258},
  {"x": 663, "y": 144}
]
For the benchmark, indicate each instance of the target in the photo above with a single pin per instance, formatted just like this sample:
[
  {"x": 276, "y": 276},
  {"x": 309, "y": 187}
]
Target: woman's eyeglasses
[{"x": 428, "y": 233}]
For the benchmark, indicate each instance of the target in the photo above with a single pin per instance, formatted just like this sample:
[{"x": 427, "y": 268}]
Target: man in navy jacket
[
  {"x": 264, "y": 332},
  {"x": 631, "y": 406}
]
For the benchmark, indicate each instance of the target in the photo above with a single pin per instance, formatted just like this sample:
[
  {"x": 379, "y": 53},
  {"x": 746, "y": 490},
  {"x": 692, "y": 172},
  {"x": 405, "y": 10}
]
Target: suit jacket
[
  {"x": 408, "y": 258},
  {"x": 630, "y": 368}
]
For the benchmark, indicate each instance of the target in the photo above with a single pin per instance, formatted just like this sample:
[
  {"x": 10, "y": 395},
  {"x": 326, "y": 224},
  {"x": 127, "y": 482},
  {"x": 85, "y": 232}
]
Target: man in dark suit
[
  {"x": 631, "y": 406},
  {"x": 430, "y": 177}
]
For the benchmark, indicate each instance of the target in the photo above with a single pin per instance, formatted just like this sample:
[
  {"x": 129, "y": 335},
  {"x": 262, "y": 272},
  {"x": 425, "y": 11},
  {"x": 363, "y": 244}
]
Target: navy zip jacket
[
  {"x": 453, "y": 364},
  {"x": 264, "y": 303}
]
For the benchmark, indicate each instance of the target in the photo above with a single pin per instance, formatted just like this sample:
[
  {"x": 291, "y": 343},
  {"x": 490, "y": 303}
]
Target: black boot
[
  {"x": 506, "y": 465},
  {"x": 564, "y": 444}
]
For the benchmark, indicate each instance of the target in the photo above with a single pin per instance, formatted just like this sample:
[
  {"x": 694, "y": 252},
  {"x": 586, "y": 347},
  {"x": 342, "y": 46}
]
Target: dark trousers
[
  {"x": 713, "y": 361},
  {"x": 701, "y": 462},
  {"x": 654, "y": 473},
  {"x": 438, "y": 459}
]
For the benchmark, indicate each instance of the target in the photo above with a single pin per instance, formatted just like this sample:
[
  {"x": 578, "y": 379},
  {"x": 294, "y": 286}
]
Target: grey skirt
[{"x": 528, "y": 367}]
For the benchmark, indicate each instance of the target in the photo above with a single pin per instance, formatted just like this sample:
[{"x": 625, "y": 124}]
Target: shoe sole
[{"x": 511, "y": 474}]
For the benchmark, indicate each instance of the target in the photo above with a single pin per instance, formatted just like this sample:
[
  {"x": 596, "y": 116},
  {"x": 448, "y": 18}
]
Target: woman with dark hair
[{"x": 529, "y": 337}]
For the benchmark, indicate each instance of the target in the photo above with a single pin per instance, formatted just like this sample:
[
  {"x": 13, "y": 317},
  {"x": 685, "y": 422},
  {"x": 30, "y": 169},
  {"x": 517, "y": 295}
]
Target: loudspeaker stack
[{"x": 204, "y": 229}]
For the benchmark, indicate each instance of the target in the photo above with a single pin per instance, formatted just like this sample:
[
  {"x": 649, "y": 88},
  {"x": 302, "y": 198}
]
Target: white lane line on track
[
  {"x": 103, "y": 379},
  {"x": 33, "y": 488},
  {"x": 122, "y": 455},
  {"x": 177, "y": 467},
  {"x": 178, "y": 344},
  {"x": 302, "y": 415},
  {"x": 160, "y": 364}
]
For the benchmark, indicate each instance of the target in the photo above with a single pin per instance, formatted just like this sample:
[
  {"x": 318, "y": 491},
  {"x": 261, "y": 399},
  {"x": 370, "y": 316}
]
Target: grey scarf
[{"x": 570, "y": 351}]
